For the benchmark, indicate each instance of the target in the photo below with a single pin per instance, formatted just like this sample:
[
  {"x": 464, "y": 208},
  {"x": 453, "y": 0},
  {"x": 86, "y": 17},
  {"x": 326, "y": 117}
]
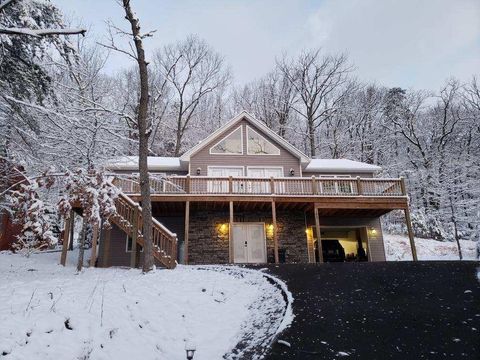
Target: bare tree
[
  {"x": 270, "y": 99},
  {"x": 144, "y": 131},
  {"x": 194, "y": 70},
  {"x": 320, "y": 82}
]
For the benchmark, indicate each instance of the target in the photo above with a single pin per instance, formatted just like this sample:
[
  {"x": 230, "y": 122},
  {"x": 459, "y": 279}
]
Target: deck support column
[
  {"x": 187, "y": 229},
  {"x": 410, "y": 233},
  {"x": 319, "y": 236},
  {"x": 106, "y": 247},
  {"x": 66, "y": 237},
  {"x": 275, "y": 233},
  {"x": 230, "y": 234},
  {"x": 93, "y": 256},
  {"x": 408, "y": 220},
  {"x": 133, "y": 254}
]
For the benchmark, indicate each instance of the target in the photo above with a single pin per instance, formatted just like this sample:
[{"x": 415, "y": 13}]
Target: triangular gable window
[
  {"x": 232, "y": 144},
  {"x": 258, "y": 145}
]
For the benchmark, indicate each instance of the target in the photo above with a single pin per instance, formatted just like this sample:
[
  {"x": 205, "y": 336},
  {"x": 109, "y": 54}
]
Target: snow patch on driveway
[{"x": 50, "y": 312}]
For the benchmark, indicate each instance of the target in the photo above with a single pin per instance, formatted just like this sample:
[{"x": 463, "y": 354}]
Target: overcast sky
[{"x": 407, "y": 43}]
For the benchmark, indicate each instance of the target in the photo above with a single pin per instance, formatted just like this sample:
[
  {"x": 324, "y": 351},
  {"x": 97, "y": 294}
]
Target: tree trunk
[
  {"x": 143, "y": 134},
  {"x": 81, "y": 248},
  {"x": 455, "y": 228},
  {"x": 311, "y": 136}
]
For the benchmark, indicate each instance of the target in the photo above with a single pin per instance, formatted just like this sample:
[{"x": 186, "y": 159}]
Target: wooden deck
[
  {"x": 332, "y": 192},
  {"x": 360, "y": 197}
]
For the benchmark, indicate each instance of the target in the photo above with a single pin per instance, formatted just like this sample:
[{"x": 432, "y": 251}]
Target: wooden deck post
[
  {"x": 230, "y": 235},
  {"x": 93, "y": 257},
  {"x": 66, "y": 237},
  {"x": 187, "y": 225},
  {"x": 230, "y": 184},
  {"x": 133, "y": 254},
  {"x": 106, "y": 247},
  {"x": 410, "y": 233},
  {"x": 403, "y": 186},
  {"x": 187, "y": 184},
  {"x": 408, "y": 220},
  {"x": 275, "y": 233},
  {"x": 319, "y": 235},
  {"x": 359, "y": 186}
]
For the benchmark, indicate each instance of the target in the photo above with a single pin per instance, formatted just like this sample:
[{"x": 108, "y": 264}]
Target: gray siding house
[{"x": 245, "y": 195}]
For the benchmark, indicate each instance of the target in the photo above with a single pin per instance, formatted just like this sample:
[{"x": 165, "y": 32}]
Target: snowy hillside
[
  {"x": 397, "y": 247},
  {"x": 49, "y": 312}
]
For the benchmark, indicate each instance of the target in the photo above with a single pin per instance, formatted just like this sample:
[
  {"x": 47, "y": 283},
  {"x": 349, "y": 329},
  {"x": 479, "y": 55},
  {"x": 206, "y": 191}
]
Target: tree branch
[{"x": 41, "y": 32}]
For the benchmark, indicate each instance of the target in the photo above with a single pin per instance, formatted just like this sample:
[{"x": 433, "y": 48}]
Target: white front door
[{"x": 249, "y": 243}]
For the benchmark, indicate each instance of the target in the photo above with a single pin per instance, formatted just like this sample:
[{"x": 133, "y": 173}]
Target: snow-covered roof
[
  {"x": 340, "y": 165},
  {"x": 155, "y": 163}
]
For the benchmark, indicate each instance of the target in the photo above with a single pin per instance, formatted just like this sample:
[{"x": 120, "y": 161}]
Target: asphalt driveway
[{"x": 395, "y": 310}]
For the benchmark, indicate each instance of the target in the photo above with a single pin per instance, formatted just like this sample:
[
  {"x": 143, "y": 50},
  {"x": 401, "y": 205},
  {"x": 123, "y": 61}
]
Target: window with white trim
[
  {"x": 340, "y": 186},
  {"x": 129, "y": 244},
  {"x": 258, "y": 145},
  {"x": 232, "y": 144}
]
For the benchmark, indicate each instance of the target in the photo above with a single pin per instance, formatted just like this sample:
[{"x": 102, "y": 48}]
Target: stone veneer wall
[
  {"x": 208, "y": 246},
  {"x": 205, "y": 244}
]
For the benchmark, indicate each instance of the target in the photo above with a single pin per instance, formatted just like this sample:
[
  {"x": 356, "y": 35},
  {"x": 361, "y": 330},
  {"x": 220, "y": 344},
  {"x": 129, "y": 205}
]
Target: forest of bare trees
[{"x": 60, "y": 109}]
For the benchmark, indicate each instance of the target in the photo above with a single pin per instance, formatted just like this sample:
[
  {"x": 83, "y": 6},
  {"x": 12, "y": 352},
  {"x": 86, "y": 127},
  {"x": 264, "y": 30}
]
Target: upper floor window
[
  {"x": 232, "y": 144},
  {"x": 258, "y": 145}
]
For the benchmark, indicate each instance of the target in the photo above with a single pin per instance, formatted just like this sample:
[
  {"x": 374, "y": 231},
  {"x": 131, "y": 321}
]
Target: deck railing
[
  {"x": 129, "y": 219},
  {"x": 288, "y": 186}
]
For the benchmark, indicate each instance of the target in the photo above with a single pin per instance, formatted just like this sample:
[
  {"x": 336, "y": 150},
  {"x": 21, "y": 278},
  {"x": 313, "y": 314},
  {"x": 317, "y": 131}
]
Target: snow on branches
[
  {"x": 86, "y": 189},
  {"x": 34, "y": 216},
  {"x": 92, "y": 191}
]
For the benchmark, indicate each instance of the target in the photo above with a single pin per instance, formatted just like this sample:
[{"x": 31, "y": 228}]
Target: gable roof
[
  {"x": 340, "y": 165},
  {"x": 260, "y": 125}
]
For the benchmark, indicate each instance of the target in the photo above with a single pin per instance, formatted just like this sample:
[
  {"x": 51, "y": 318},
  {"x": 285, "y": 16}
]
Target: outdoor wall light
[
  {"x": 190, "y": 350},
  {"x": 292, "y": 172},
  {"x": 223, "y": 229},
  {"x": 199, "y": 171},
  {"x": 269, "y": 230}
]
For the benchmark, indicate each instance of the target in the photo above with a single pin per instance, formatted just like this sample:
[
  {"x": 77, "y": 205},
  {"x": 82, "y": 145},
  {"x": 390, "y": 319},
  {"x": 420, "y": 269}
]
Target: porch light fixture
[
  {"x": 292, "y": 172},
  {"x": 269, "y": 231},
  {"x": 199, "y": 170},
  {"x": 190, "y": 350},
  {"x": 223, "y": 229}
]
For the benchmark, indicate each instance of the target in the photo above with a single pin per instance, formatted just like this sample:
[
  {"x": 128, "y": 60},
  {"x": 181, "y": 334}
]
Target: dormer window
[
  {"x": 258, "y": 145},
  {"x": 232, "y": 144}
]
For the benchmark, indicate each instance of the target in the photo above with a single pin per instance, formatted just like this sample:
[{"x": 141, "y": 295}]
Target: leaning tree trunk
[{"x": 143, "y": 134}]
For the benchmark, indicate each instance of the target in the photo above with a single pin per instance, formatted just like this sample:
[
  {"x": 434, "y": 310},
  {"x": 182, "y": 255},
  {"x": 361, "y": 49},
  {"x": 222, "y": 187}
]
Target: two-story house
[{"x": 245, "y": 195}]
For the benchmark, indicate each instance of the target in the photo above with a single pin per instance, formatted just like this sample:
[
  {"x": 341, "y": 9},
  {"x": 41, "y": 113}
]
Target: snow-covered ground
[
  {"x": 50, "y": 312},
  {"x": 397, "y": 247}
]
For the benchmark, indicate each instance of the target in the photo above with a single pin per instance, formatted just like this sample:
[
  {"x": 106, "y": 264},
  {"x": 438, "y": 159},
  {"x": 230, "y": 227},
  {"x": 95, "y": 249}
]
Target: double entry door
[{"x": 249, "y": 243}]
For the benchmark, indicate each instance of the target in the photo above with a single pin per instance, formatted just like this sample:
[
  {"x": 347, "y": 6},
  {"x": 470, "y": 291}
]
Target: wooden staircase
[{"x": 129, "y": 219}]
